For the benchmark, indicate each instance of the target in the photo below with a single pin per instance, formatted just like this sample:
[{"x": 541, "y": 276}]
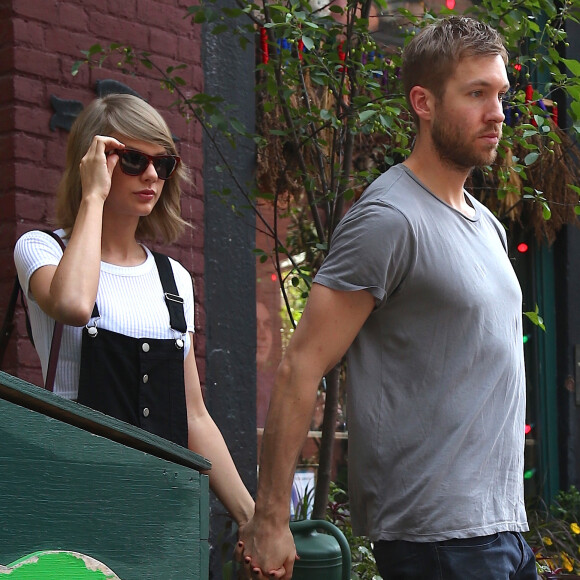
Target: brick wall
[{"x": 39, "y": 42}]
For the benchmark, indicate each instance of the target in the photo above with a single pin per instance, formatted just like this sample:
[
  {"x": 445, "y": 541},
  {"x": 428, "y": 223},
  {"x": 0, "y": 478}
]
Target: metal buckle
[{"x": 173, "y": 298}]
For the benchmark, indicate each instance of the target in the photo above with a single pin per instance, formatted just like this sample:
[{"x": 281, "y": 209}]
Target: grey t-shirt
[{"x": 436, "y": 384}]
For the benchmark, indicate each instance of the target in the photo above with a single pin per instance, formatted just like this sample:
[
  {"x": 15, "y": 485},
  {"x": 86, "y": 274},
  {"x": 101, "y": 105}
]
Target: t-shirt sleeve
[
  {"x": 370, "y": 250},
  {"x": 32, "y": 251}
]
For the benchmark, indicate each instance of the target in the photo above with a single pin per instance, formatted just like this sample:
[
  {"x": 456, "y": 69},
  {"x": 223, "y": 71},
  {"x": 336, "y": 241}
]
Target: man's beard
[{"x": 455, "y": 149}]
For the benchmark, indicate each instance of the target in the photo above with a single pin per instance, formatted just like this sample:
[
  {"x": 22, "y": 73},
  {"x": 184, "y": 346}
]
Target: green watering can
[{"x": 322, "y": 556}]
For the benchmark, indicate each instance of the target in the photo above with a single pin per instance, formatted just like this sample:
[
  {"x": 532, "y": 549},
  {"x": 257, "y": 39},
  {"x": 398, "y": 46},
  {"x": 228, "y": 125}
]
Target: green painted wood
[
  {"x": 55, "y": 565},
  {"x": 66, "y": 485},
  {"x": 38, "y": 399}
]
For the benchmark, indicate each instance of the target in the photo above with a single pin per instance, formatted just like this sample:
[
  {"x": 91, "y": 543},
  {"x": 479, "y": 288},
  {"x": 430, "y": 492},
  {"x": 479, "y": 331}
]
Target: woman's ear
[{"x": 423, "y": 101}]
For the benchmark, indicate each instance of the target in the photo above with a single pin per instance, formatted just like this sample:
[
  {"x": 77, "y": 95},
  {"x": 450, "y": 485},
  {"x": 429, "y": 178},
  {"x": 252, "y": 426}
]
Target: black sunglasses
[{"x": 135, "y": 163}]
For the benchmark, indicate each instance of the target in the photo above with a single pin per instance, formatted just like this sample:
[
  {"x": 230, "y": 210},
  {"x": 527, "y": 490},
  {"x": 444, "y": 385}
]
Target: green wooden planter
[{"x": 76, "y": 483}]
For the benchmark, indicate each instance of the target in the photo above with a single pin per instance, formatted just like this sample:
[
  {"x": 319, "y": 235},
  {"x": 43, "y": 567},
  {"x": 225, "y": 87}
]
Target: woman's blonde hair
[{"x": 131, "y": 117}]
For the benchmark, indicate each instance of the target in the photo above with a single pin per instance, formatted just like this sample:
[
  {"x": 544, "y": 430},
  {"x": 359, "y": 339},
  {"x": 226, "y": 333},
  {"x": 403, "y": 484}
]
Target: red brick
[
  {"x": 97, "y": 6},
  {"x": 33, "y": 119},
  {"x": 42, "y": 11},
  {"x": 70, "y": 88},
  {"x": 27, "y": 32},
  {"x": 126, "y": 10},
  {"x": 29, "y": 147},
  {"x": 6, "y": 89},
  {"x": 66, "y": 42},
  {"x": 31, "y": 208},
  {"x": 56, "y": 151},
  {"x": 36, "y": 62},
  {"x": 6, "y": 27},
  {"x": 189, "y": 48},
  {"x": 6, "y": 147},
  {"x": 8, "y": 228},
  {"x": 6, "y": 59},
  {"x": 172, "y": 21},
  {"x": 34, "y": 178},
  {"x": 6, "y": 119},
  {"x": 163, "y": 44},
  {"x": 29, "y": 89},
  {"x": 110, "y": 29},
  {"x": 73, "y": 17}
]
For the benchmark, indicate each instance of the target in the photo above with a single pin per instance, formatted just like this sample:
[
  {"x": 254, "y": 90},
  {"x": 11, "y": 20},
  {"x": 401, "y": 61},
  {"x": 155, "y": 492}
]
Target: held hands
[
  {"x": 96, "y": 167},
  {"x": 265, "y": 551}
]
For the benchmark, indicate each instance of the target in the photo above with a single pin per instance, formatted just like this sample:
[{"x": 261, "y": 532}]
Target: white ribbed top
[{"x": 130, "y": 301}]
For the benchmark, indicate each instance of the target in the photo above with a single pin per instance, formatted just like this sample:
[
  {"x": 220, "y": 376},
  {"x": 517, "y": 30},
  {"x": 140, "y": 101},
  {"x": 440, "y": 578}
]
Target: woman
[{"x": 127, "y": 344}]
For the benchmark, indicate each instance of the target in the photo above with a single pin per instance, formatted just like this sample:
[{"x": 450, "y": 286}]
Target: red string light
[
  {"x": 341, "y": 55},
  {"x": 264, "y": 45},
  {"x": 529, "y": 92}
]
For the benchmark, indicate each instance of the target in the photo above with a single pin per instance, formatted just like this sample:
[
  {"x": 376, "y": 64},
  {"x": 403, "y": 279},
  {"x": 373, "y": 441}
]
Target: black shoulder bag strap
[
  {"x": 8, "y": 325},
  {"x": 56, "y": 335}
]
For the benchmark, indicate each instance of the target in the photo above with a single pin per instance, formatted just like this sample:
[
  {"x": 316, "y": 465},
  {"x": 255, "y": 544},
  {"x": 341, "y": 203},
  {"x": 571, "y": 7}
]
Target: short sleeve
[
  {"x": 32, "y": 251},
  {"x": 370, "y": 250}
]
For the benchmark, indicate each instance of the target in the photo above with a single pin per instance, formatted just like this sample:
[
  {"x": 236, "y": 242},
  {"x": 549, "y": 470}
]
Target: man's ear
[{"x": 423, "y": 102}]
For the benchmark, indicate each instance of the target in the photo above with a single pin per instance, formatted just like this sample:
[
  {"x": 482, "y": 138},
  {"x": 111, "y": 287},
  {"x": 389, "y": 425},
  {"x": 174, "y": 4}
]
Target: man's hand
[{"x": 265, "y": 551}]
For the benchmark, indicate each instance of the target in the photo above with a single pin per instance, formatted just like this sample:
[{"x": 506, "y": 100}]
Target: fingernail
[
  {"x": 240, "y": 544},
  {"x": 247, "y": 559}
]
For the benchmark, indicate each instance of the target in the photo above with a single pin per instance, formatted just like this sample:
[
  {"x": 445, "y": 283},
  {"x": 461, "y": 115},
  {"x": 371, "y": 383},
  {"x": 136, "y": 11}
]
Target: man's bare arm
[{"x": 329, "y": 324}]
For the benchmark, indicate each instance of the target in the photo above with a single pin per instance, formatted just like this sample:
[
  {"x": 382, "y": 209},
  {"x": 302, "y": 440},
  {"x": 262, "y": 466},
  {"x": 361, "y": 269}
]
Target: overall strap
[{"x": 173, "y": 301}]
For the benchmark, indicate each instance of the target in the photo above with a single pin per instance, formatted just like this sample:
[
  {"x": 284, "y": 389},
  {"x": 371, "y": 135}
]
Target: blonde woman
[{"x": 127, "y": 345}]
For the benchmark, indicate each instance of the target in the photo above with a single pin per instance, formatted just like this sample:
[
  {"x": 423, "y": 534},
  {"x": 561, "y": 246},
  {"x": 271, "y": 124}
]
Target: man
[{"x": 418, "y": 287}]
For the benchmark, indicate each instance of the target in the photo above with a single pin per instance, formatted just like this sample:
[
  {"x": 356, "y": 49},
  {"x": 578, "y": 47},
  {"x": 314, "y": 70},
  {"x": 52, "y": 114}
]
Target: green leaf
[
  {"x": 536, "y": 318},
  {"x": 546, "y": 211},
  {"x": 308, "y": 42},
  {"x": 220, "y": 28},
  {"x": 366, "y": 115},
  {"x": 238, "y": 126},
  {"x": 76, "y": 67},
  {"x": 531, "y": 157},
  {"x": 573, "y": 65}
]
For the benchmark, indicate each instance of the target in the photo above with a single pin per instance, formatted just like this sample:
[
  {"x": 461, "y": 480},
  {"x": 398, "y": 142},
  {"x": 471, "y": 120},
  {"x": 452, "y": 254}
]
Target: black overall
[{"x": 139, "y": 380}]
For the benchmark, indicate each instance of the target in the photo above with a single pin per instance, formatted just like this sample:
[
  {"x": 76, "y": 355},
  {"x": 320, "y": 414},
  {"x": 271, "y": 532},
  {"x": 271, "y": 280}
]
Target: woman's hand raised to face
[{"x": 97, "y": 167}]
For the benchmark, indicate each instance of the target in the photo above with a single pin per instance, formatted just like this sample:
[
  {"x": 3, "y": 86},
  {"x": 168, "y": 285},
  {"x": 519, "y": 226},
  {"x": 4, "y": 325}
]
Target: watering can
[{"x": 322, "y": 556}]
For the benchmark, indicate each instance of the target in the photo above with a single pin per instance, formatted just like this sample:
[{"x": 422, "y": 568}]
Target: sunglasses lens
[
  {"x": 164, "y": 166},
  {"x": 133, "y": 162}
]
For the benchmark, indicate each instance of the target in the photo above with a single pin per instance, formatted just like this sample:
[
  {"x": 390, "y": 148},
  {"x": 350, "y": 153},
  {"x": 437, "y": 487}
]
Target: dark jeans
[{"x": 503, "y": 556}]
